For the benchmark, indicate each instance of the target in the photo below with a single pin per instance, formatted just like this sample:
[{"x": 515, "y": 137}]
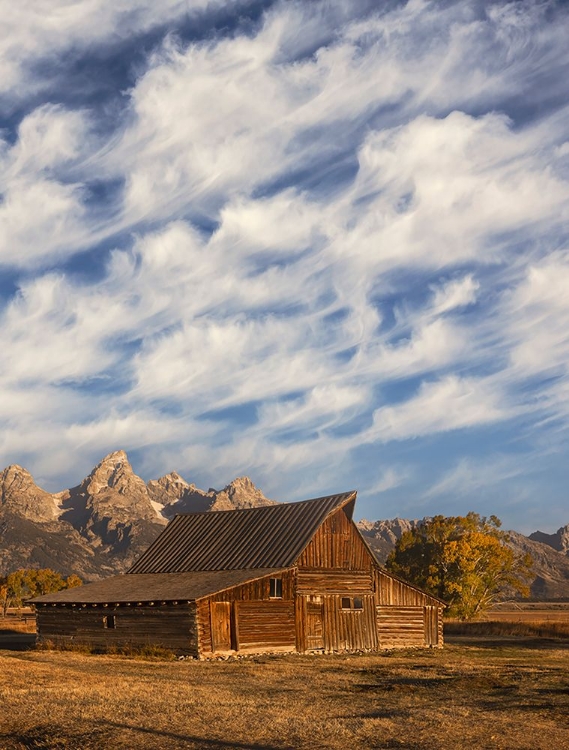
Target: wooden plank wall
[
  {"x": 435, "y": 632},
  {"x": 349, "y": 629},
  {"x": 389, "y": 590},
  {"x": 257, "y": 590},
  {"x": 169, "y": 626},
  {"x": 341, "y": 629},
  {"x": 275, "y": 624},
  {"x": 400, "y": 627},
  {"x": 336, "y": 544},
  {"x": 204, "y": 627},
  {"x": 431, "y": 620},
  {"x": 319, "y": 581},
  {"x": 265, "y": 626},
  {"x": 403, "y": 627}
]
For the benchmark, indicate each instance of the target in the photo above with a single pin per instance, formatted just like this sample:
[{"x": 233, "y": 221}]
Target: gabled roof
[
  {"x": 159, "y": 587},
  {"x": 267, "y": 537}
]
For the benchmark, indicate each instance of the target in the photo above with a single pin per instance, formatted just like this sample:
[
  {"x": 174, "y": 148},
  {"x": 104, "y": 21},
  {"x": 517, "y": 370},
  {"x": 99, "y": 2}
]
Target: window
[
  {"x": 276, "y": 588},
  {"x": 109, "y": 621},
  {"x": 350, "y": 603}
]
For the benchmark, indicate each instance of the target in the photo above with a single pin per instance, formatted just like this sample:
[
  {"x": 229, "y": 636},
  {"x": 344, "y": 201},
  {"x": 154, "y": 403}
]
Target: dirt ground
[{"x": 510, "y": 694}]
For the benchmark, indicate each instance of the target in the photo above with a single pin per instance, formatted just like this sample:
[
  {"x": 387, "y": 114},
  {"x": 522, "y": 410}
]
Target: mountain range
[{"x": 101, "y": 526}]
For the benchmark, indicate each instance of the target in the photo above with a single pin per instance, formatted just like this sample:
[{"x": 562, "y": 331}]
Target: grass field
[
  {"x": 503, "y": 683},
  {"x": 515, "y": 695},
  {"x": 17, "y": 624}
]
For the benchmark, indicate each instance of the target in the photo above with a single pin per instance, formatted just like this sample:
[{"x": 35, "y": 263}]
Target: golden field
[
  {"x": 501, "y": 683},
  {"x": 510, "y": 695}
]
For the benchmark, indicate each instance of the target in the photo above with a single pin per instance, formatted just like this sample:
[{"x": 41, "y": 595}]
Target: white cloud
[
  {"x": 321, "y": 408},
  {"x": 34, "y": 33},
  {"x": 359, "y": 209},
  {"x": 432, "y": 345},
  {"x": 458, "y": 293},
  {"x": 390, "y": 479},
  {"x": 42, "y": 212},
  {"x": 448, "y": 404},
  {"x": 438, "y": 192},
  {"x": 469, "y": 476},
  {"x": 538, "y": 315}
]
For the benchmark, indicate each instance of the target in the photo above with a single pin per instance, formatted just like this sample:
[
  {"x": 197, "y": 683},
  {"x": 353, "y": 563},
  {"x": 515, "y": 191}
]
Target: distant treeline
[{"x": 26, "y": 583}]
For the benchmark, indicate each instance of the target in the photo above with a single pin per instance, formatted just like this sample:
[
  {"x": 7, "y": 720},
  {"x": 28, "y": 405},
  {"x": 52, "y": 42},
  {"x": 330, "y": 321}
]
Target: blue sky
[{"x": 322, "y": 244}]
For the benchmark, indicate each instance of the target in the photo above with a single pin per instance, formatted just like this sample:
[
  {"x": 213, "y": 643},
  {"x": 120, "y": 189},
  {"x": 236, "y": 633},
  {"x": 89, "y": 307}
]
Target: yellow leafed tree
[
  {"x": 29, "y": 582},
  {"x": 464, "y": 560}
]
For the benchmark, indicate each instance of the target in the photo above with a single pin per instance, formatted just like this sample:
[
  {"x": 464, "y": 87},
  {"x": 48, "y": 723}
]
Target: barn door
[
  {"x": 314, "y": 626},
  {"x": 431, "y": 622},
  {"x": 221, "y": 626}
]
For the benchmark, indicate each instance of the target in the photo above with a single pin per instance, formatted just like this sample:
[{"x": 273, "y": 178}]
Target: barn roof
[
  {"x": 145, "y": 587},
  {"x": 267, "y": 537}
]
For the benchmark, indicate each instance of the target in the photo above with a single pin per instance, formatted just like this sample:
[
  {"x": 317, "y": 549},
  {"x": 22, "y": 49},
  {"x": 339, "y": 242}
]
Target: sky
[{"x": 321, "y": 244}]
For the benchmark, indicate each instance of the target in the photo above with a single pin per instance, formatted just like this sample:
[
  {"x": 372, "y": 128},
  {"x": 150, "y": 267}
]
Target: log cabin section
[{"x": 295, "y": 577}]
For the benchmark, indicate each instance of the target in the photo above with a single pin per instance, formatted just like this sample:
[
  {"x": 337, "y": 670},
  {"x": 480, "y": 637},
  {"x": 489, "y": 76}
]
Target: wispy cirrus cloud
[{"x": 287, "y": 242}]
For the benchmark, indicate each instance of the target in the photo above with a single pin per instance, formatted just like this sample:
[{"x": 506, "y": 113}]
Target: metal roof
[
  {"x": 267, "y": 537},
  {"x": 145, "y": 587}
]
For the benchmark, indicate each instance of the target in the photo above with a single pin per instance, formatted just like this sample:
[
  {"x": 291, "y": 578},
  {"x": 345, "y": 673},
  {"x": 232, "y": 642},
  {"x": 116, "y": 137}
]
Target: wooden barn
[{"x": 288, "y": 577}]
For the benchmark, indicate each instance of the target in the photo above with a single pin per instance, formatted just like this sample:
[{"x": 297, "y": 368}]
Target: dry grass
[
  {"x": 524, "y": 629},
  {"x": 477, "y": 697},
  {"x": 529, "y": 620},
  {"x": 18, "y": 624},
  {"x": 531, "y": 612}
]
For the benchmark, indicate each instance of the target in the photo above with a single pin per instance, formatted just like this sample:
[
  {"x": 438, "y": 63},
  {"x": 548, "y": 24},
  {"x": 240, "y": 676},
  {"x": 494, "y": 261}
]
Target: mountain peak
[
  {"x": 169, "y": 489},
  {"x": 559, "y": 541},
  {"x": 20, "y": 494},
  {"x": 240, "y": 493},
  {"x": 113, "y": 472}
]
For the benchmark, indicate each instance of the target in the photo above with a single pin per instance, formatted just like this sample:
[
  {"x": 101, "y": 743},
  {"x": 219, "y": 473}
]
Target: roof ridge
[{"x": 276, "y": 504}]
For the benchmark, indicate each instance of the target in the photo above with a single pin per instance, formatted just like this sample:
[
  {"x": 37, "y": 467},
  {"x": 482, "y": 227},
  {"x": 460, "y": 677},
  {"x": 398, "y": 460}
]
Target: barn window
[
  {"x": 276, "y": 588},
  {"x": 352, "y": 603},
  {"x": 109, "y": 621}
]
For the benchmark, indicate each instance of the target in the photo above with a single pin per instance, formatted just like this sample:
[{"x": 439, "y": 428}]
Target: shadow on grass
[
  {"x": 103, "y": 734},
  {"x": 54, "y": 737},
  {"x": 14, "y": 640},
  {"x": 198, "y": 741}
]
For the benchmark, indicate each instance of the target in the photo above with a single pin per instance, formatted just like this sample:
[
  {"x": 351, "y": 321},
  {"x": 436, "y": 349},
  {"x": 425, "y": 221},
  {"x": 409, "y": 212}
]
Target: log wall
[
  {"x": 404, "y": 627},
  {"x": 170, "y": 626},
  {"x": 400, "y": 627},
  {"x": 265, "y": 626}
]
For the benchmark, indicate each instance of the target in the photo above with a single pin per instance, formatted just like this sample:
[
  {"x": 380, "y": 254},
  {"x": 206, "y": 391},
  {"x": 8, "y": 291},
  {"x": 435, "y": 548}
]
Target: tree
[
  {"x": 3, "y": 596},
  {"x": 463, "y": 560},
  {"x": 26, "y": 583}
]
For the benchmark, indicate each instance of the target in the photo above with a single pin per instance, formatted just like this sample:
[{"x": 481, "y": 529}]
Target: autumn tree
[
  {"x": 464, "y": 560},
  {"x": 3, "y": 596},
  {"x": 26, "y": 583}
]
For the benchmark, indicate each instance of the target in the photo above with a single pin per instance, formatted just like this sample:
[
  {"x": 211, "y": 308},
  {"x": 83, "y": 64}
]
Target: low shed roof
[
  {"x": 146, "y": 587},
  {"x": 267, "y": 537}
]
